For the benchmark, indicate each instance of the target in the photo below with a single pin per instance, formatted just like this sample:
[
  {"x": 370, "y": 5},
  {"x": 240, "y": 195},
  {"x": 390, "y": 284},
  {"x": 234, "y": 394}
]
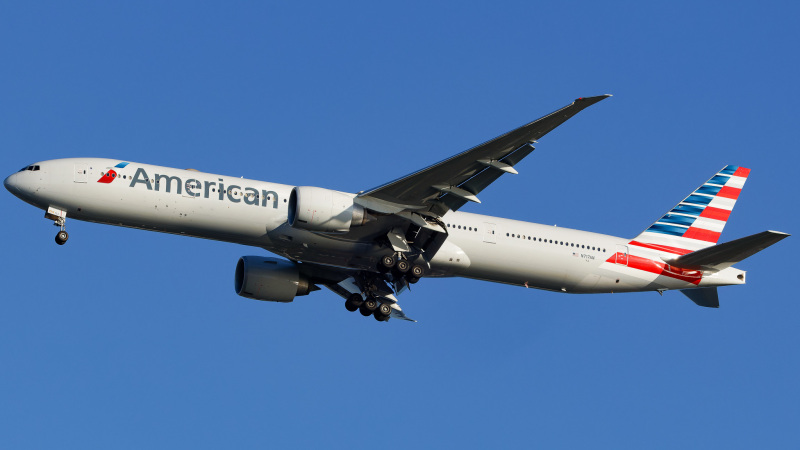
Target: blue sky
[{"x": 129, "y": 339}]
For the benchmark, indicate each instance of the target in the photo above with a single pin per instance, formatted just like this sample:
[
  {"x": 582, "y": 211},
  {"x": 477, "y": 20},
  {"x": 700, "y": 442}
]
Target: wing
[{"x": 451, "y": 183}]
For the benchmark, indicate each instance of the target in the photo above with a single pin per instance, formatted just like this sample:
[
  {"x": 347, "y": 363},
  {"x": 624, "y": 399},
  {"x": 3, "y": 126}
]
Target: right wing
[{"x": 449, "y": 184}]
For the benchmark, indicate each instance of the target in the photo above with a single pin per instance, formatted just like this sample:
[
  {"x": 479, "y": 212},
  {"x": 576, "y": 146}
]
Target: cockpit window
[{"x": 29, "y": 168}]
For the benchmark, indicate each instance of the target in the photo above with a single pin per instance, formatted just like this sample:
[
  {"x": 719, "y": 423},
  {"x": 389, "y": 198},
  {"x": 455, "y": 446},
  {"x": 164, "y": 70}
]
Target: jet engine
[
  {"x": 324, "y": 210},
  {"x": 270, "y": 279}
]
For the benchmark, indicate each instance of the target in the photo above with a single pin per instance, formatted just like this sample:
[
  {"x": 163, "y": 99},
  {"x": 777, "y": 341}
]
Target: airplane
[{"x": 371, "y": 246}]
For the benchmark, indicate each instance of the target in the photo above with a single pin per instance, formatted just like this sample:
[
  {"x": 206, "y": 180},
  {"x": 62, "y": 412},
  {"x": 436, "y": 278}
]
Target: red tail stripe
[
  {"x": 741, "y": 172},
  {"x": 715, "y": 213},
  {"x": 658, "y": 268},
  {"x": 702, "y": 235},
  {"x": 729, "y": 192}
]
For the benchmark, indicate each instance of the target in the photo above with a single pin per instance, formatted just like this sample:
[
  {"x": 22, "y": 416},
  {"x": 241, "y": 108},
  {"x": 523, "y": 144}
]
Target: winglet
[{"x": 592, "y": 100}]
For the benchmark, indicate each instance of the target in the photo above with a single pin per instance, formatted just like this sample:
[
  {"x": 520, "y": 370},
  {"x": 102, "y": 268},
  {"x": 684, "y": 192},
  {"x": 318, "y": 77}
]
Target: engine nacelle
[
  {"x": 324, "y": 210},
  {"x": 270, "y": 279}
]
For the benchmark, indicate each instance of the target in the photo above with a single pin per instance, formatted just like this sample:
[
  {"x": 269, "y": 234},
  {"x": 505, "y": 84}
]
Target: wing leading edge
[{"x": 449, "y": 184}]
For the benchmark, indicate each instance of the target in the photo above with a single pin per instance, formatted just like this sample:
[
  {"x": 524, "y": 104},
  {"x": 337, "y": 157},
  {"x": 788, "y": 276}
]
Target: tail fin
[{"x": 697, "y": 221}]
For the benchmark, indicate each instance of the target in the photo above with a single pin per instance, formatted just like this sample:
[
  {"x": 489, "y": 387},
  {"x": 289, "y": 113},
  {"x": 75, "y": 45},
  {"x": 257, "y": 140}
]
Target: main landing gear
[
  {"x": 401, "y": 267},
  {"x": 368, "y": 307}
]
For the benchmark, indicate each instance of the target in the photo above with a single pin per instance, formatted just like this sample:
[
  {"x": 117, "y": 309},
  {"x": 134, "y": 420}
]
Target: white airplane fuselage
[{"x": 255, "y": 213}]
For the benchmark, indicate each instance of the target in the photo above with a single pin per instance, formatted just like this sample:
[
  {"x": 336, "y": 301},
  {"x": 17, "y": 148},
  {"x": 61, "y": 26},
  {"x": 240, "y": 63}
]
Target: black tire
[
  {"x": 356, "y": 299},
  {"x": 353, "y": 302},
  {"x": 417, "y": 271},
  {"x": 368, "y": 307},
  {"x": 61, "y": 237},
  {"x": 380, "y": 317},
  {"x": 402, "y": 266},
  {"x": 412, "y": 280},
  {"x": 384, "y": 309},
  {"x": 388, "y": 261}
]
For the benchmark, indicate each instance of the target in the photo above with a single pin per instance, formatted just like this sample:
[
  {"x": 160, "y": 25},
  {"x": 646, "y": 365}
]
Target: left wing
[{"x": 451, "y": 183}]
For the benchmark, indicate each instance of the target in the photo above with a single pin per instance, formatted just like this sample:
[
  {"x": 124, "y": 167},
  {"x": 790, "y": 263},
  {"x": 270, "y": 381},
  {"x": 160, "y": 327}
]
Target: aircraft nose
[{"x": 11, "y": 184}]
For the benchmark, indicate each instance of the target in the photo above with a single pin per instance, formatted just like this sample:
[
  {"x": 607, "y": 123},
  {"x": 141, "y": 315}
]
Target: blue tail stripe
[
  {"x": 708, "y": 190},
  {"x": 667, "y": 229},
  {"x": 698, "y": 199},
  {"x": 719, "y": 179},
  {"x": 688, "y": 209},
  {"x": 729, "y": 170},
  {"x": 678, "y": 220}
]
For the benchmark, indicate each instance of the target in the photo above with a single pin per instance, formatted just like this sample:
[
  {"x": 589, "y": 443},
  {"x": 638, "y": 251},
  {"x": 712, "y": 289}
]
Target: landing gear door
[
  {"x": 489, "y": 233},
  {"x": 81, "y": 173},
  {"x": 622, "y": 255}
]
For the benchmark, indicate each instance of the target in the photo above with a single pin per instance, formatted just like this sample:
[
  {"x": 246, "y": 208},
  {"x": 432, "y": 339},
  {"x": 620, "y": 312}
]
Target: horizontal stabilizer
[
  {"x": 722, "y": 256},
  {"x": 703, "y": 296}
]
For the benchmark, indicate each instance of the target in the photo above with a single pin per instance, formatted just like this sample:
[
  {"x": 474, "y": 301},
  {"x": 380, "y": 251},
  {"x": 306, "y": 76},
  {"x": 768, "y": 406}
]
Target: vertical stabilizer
[{"x": 698, "y": 220}]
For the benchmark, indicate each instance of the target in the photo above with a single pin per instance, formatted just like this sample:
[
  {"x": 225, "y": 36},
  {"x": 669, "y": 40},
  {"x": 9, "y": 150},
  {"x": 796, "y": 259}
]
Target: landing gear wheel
[
  {"x": 383, "y": 312},
  {"x": 388, "y": 261},
  {"x": 353, "y": 302},
  {"x": 61, "y": 237},
  {"x": 417, "y": 271},
  {"x": 412, "y": 280},
  {"x": 402, "y": 266},
  {"x": 368, "y": 307}
]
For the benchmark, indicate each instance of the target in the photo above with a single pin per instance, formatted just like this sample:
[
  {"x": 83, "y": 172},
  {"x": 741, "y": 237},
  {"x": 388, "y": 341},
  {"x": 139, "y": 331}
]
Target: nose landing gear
[
  {"x": 59, "y": 219},
  {"x": 61, "y": 237}
]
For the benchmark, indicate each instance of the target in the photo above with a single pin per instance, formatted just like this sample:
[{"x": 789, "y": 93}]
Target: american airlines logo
[
  {"x": 111, "y": 175},
  {"x": 196, "y": 188}
]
